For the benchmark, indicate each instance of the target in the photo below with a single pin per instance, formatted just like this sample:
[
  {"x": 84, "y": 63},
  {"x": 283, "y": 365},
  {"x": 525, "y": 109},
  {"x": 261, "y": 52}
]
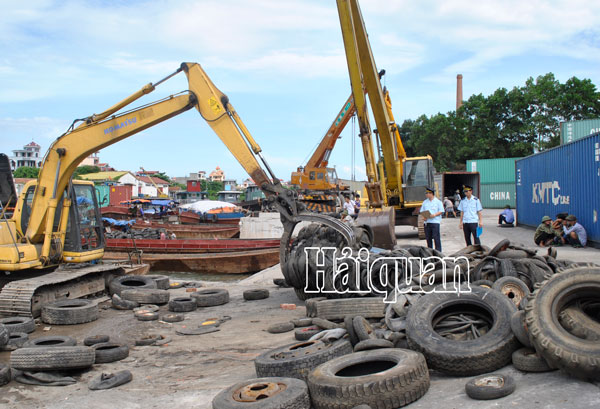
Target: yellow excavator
[
  {"x": 56, "y": 225},
  {"x": 395, "y": 183}
]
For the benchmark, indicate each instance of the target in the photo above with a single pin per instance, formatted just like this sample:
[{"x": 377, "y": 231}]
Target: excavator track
[{"x": 25, "y": 297}]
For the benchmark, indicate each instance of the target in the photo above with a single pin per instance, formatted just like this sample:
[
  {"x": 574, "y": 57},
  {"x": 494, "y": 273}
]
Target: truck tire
[
  {"x": 4, "y": 335},
  {"x": 121, "y": 283},
  {"x": 17, "y": 339},
  {"x": 338, "y": 309},
  {"x": 578, "y": 357},
  {"x": 69, "y": 312},
  {"x": 491, "y": 386},
  {"x": 162, "y": 281},
  {"x": 52, "y": 358},
  {"x": 513, "y": 288},
  {"x": 110, "y": 352},
  {"x": 381, "y": 378},
  {"x": 146, "y": 296},
  {"x": 182, "y": 304},
  {"x": 486, "y": 353},
  {"x": 211, "y": 297},
  {"x": 256, "y": 294},
  {"x": 5, "y": 375},
  {"x": 578, "y": 323},
  {"x": 50, "y": 341},
  {"x": 18, "y": 324},
  {"x": 264, "y": 393},
  {"x": 95, "y": 339},
  {"x": 527, "y": 360},
  {"x": 297, "y": 360}
]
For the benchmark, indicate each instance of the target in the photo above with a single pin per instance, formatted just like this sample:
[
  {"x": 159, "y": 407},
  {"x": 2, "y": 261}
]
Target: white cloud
[{"x": 34, "y": 128}]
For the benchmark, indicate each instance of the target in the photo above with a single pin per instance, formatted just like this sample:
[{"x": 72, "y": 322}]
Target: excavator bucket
[{"x": 382, "y": 223}]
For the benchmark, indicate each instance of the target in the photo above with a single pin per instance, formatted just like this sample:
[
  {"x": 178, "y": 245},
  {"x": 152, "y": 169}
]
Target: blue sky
[{"x": 281, "y": 62}]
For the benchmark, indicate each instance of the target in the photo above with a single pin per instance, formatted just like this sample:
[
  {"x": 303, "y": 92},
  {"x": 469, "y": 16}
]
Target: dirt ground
[{"x": 190, "y": 370}]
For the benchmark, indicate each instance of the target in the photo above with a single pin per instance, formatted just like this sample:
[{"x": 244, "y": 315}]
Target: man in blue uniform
[
  {"x": 470, "y": 215},
  {"x": 432, "y": 223}
]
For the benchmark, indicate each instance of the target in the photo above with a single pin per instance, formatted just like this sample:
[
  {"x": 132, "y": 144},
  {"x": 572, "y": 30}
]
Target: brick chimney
[{"x": 459, "y": 94}]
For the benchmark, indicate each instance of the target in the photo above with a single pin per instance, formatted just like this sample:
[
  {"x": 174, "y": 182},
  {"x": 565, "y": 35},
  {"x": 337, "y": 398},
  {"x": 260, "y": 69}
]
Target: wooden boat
[
  {"x": 116, "y": 212},
  {"x": 237, "y": 262},
  {"x": 200, "y": 231},
  {"x": 189, "y": 246}
]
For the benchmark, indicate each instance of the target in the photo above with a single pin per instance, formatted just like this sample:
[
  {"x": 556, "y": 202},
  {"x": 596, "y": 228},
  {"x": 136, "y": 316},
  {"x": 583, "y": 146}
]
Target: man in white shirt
[
  {"x": 432, "y": 224},
  {"x": 470, "y": 215},
  {"x": 349, "y": 206}
]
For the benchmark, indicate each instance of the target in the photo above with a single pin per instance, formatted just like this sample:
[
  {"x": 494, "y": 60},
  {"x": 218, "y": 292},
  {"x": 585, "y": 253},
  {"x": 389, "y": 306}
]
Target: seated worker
[
  {"x": 346, "y": 218},
  {"x": 560, "y": 221},
  {"x": 507, "y": 216},
  {"x": 545, "y": 235},
  {"x": 574, "y": 233},
  {"x": 448, "y": 208}
]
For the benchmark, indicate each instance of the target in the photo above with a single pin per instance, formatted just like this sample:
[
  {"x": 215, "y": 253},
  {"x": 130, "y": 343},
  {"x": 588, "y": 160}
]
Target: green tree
[{"x": 26, "y": 172}]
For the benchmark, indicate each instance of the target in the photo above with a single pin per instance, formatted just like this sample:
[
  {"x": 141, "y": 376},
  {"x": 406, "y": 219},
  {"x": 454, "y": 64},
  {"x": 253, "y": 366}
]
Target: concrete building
[
  {"x": 231, "y": 196},
  {"x": 230, "y": 184},
  {"x": 92, "y": 160},
  {"x": 28, "y": 156},
  {"x": 217, "y": 175},
  {"x": 141, "y": 186}
]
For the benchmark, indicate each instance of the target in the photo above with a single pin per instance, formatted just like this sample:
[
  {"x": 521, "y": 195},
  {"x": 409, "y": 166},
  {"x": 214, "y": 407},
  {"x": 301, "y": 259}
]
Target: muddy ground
[{"x": 189, "y": 370}]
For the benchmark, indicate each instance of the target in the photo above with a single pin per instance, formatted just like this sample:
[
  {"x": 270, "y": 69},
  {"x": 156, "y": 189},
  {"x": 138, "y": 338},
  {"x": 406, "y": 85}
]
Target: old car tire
[
  {"x": 297, "y": 360},
  {"x": 18, "y": 324},
  {"x": 121, "y": 283},
  {"x": 172, "y": 317},
  {"x": 578, "y": 323},
  {"x": 302, "y": 322},
  {"x": 112, "y": 380},
  {"x": 325, "y": 324},
  {"x": 306, "y": 333},
  {"x": 52, "y": 358},
  {"x": 17, "y": 339},
  {"x": 5, "y": 375},
  {"x": 517, "y": 325},
  {"x": 146, "y": 308},
  {"x": 577, "y": 356},
  {"x": 486, "y": 353},
  {"x": 4, "y": 335},
  {"x": 211, "y": 297},
  {"x": 146, "y": 296},
  {"x": 256, "y": 294},
  {"x": 527, "y": 360},
  {"x": 281, "y": 328},
  {"x": 349, "y": 325},
  {"x": 265, "y": 393},
  {"x": 381, "y": 378},
  {"x": 95, "y": 339},
  {"x": 502, "y": 245},
  {"x": 162, "y": 281},
  {"x": 146, "y": 316},
  {"x": 69, "y": 312},
  {"x": 182, "y": 304},
  {"x": 513, "y": 288},
  {"x": 121, "y": 304},
  {"x": 110, "y": 352},
  {"x": 491, "y": 386},
  {"x": 362, "y": 328},
  {"x": 373, "y": 344},
  {"x": 338, "y": 309},
  {"x": 50, "y": 341}
]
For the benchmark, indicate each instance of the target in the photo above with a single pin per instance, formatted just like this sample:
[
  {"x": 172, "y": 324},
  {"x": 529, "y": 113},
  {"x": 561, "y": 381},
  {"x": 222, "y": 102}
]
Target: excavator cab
[{"x": 416, "y": 176}]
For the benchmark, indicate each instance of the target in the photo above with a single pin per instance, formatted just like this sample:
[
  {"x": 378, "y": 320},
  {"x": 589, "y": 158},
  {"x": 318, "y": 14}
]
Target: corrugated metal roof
[{"x": 104, "y": 175}]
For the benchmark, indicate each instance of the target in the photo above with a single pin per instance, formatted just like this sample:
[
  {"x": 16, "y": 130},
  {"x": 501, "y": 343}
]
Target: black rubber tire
[
  {"x": 373, "y": 344},
  {"x": 112, "y": 380},
  {"x": 5, "y": 374},
  {"x": 579, "y": 323},
  {"x": 311, "y": 306},
  {"x": 17, "y": 339},
  {"x": 172, "y": 317},
  {"x": 367, "y": 378},
  {"x": 513, "y": 288},
  {"x": 304, "y": 334},
  {"x": 338, "y": 309},
  {"x": 479, "y": 388},
  {"x": 349, "y": 325},
  {"x": 121, "y": 283},
  {"x": 18, "y": 324},
  {"x": 146, "y": 316},
  {"x": 147, "y": 308},
  {"x": 211, "y": 297},
  {"x": 121, "y": 304},
  {"x": 182, "y": 304},
  {"x": 503, "y": 244},
  {"x": 578, "y": 357},
  {"x": 50, "y": 342},
  {"x": 256, "y": 294},
  {"x": 517, "y": 325},
  {"x": 325, "y": 324},
  {"x": 107, "y": 352},
  {"x": 484, "y": 354},
  {"x": 4, "y": 335},
  {"x": 297, "y": 360},
  {"x": 362, "y": 328},
  {"x": 293, "y": 396},
  {"x": 281, "y": 327},
  {"x": 146, "y": 296},
  {"x": 69, "y": 312},
  {"x": 52, "y": 358},
  {"x": 162, "y": 281},
  {"x": 95, "y": 339},
  {"x": 483, "y": 283},
  {"x": 527, "y": 360},
  {"x": 302, "y": 322}
]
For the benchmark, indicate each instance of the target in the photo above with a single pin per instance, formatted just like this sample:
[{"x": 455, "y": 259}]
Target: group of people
[
  {"x": 470, "y": 217},
  {"x": 351, "y": 209},
  {"x": 563, "y": 230}
]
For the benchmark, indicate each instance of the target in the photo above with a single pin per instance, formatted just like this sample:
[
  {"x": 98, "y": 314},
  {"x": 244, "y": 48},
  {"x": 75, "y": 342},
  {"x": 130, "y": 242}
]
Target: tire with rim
[
  {"x": 182, "y": 304},
  {"x": 18, "y": 324},
  {"x": 52, "y": 358},
  {"x": 264, "y": 393},
  {"x": 578, "y": 357},
  {"x": 382, "y": 378},
  {"x": 146, "y": 296},
  {"x": 69, "y": 312},
  {"x": 211, "y": 297},
  {"x": 256, "y": 294},
  {"x": 490, "y": 347},
  {"x": 491, "y": 386},
  {"x": 297, "y": 360},
  {"x": 513, "y": 288},
  {"x": 110, "y": 352},
  {"x": 121, "y": 283},
  {"x": 50, "y": 341},
  {"x": 527, "y": 360}
]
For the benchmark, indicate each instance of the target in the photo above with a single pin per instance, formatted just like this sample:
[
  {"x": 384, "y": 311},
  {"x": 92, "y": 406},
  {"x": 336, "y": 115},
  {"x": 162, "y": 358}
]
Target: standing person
[
  {"x": 449, "y": 207},
  {"x": 432, "y": 223},
  {"x": 574, "y": 233},
  {"x": 356, "y": 204},
  {"x": 507, "y": 216},
  {"x": 456, "y": 198},
  {"x": 545, "y": 234},
  {"x": 470, "y": 215},
  {"x": 349, "y": 206}
]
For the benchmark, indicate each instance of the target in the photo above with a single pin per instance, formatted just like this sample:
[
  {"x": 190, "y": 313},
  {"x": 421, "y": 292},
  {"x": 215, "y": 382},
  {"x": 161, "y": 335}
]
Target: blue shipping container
[{"x": 562, "y": 179}]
